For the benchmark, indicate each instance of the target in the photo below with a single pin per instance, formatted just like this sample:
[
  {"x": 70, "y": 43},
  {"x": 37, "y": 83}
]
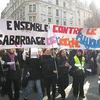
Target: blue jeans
[{"x": 28, "y": 90}]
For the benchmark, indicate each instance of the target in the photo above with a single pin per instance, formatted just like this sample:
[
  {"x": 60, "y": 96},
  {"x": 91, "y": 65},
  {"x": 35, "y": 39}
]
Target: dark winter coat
[
  {"x": 34, "y": 68},
  {"x": 63, "y": 79},
  {"x": 48, "y": 66},
  {"x": 62, "y": 69}
]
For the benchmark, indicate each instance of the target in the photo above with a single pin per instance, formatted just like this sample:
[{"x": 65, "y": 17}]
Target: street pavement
[{"x": 90, "y": 87}]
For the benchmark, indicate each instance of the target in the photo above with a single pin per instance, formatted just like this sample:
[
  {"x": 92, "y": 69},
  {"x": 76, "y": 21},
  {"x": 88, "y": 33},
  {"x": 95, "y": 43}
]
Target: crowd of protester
[{"x": 44, "y": 70}]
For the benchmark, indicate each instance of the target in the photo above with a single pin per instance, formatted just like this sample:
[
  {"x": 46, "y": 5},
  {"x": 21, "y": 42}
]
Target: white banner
[{"x": 21, "y": 34}]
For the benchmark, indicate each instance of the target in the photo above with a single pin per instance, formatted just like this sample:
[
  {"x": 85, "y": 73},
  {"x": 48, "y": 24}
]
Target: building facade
[{"x": 61, "y": 12}]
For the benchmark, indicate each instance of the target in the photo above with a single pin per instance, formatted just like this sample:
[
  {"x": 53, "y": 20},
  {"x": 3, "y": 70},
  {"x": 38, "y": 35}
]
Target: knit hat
[{"x": 80, "y": 51}]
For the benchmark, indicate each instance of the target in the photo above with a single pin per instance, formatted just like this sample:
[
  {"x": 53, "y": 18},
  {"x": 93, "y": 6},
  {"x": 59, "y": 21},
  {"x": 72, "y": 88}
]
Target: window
[
  {"x": 57, "y": 21},
  {"x": 49, "y": 10},
  {"x": 79, "y": 21},
  {"x": 49, "y": 20},
  {"x": 64, "y": 14},
  {"x": 64, "y": 22},
  {"x": 57, "y": 2},
  {"x": 30, "y": 8},
  {"x": 34, "y": 18},
  {"x": 34, "y": 7},
  {"x": 57, "y": 12},
  {"x": 43, "y": 18},
  {"x": 23, "y": 11},
  {"x": 30, "y": 18},
  {"x": 78, "y": 13},
  {"x": 21, "y": 14},
  {"x": 23, "y": 18},
  {"x": 64, "y": 4},
  {"x": 71, "y": 21}
]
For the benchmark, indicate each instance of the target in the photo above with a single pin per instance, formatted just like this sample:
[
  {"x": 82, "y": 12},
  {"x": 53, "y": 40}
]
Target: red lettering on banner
[
  {"x": 66, "y": 30},
  {"x": 91, "y": 31},
  {"x": 55, "y": 28},
  {"x": 77, "y": 30}
]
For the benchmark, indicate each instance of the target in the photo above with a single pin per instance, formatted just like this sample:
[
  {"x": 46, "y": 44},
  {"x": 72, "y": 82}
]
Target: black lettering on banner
[
  {"x": 38, "y": 40},
  {"x": 22, "y": 40},
  {"x": 9, "y": 25},
  {"x": 33, "y": 40},
  {"x": 12, "y": 42},
  {"x": 17, "y": 40},
  {"x": 42, "y": 40},
  {"x": 41, "y": 28},
  {"x": 27, "y": 40},
  {"x": 46, "y": 28},
  {"x": 33, "y": 27},
  {"x": 37, "y": 27},
  {"x": 16, "y": 25},
  {"x": 5, "y": 41},
  {"x": 0, "y": 39},
  {"x": 22, "y": 25},
  {"x": 28, "y": 25}
]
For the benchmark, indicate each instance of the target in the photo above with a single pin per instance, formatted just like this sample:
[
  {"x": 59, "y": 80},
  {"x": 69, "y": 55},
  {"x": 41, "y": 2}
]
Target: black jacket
[
  {"x": 48, "y": 66},
  {"x": 62, "y": 69},
  {"x": 63, "y": 79},
  {"x": 34, "y": 68}
]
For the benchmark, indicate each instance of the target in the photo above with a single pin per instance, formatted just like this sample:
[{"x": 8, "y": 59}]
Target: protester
[
  {"x": 13, "y": 74},
  {"x": 63, "y": 67},
  {"x": 91, "y": 61},
  {"x": 78, "y": 74},
  {"x": 33, "y": 74},
  {"x": 98, "y": 62},
  {"x": 2, "y": 74},
  {"x": 19, "y": 53},
  {"x": 42, "y": 79},
  {"x": 49, "y": 73},
  {"x": 72, "y": 53},
  {"x": 20, "y": 57}
]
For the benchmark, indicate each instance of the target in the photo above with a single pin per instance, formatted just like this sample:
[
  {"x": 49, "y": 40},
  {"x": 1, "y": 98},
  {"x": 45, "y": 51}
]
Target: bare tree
[{"x": 94, "y": 21}]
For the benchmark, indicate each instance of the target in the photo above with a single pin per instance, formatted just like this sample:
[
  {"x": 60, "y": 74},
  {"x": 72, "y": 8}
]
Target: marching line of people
[{"x": 44, "y": 70}]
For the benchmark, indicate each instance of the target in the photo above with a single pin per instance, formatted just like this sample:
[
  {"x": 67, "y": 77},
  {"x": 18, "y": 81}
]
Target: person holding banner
[
  {"x": 63, "y": 67},
  {"x": 33, "y": 75},
  {"x": 2, "y": 75},
  {"x": 78, "y": 74},
  {"x": 13, "y": 75},
  {"x": 49, "y": 73}
]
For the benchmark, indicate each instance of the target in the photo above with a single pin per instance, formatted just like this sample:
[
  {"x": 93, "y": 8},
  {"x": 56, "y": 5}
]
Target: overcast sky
[
  {"x": 97, "y": 2},
  {"x": 3, "y": 3}
]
